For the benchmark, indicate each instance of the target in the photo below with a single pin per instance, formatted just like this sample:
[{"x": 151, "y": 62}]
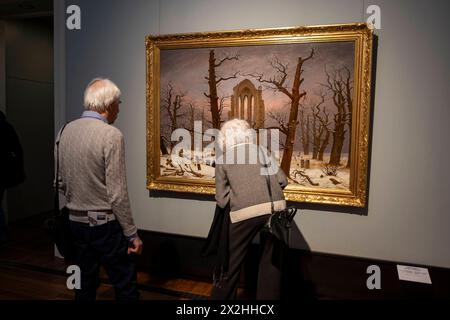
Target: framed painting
[{"x": 311, "y": 84}]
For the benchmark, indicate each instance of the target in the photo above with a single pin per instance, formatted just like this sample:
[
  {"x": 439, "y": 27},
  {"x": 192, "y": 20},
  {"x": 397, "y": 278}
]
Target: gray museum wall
[{"x": 407, "y": 217}]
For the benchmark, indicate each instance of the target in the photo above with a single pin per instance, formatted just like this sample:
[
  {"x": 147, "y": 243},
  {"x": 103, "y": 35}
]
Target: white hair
[
  {"x": 100, "y": 94},
  {"x": 236, "y": 131}
]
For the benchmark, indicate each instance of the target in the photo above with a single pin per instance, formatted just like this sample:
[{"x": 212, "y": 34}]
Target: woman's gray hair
[
  {"x": 100, "y": 94},
  {"x": 236, "y": 131}
]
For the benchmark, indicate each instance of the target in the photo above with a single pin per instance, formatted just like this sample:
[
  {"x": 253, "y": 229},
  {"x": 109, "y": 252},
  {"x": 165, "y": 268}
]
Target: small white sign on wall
[{"x": 414, "y": 274}]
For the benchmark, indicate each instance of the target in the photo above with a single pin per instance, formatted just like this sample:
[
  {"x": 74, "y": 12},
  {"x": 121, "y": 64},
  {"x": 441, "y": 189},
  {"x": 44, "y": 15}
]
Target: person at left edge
[{"x": 12, "y": 170}]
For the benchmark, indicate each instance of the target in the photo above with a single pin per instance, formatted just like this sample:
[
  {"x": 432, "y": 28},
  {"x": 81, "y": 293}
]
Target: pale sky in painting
[{"x": 187, "y": 68}]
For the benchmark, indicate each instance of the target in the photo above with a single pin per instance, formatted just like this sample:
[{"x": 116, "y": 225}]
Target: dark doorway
[{"x": 26, "y": 45}]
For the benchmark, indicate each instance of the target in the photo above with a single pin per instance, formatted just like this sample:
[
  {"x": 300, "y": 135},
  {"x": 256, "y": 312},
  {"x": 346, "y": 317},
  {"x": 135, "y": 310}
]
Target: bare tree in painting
[
  {"x": 305, "y": 130},
  {"x": 222, "y": 105},
  {"x": 213, "y": 83},
  {"x": 173, "y": 103},
  {"x": 317, "y": 125},
  {"x": 191, "y": 122},
  {"x": 282, "y": 126},
  {"x": 349, "y": 105},
  {"x": 278, "y": 83},
  {"x": 280, "y": 118},
  {"x": 337, "y": 86},
  {"x": 324, "y": 123}
]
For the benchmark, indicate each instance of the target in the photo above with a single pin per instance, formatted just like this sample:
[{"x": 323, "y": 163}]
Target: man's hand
[{"x": 135, "y": 246}]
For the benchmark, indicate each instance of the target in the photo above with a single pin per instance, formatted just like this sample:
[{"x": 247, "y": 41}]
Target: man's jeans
[{"x": 103, "y": 245}]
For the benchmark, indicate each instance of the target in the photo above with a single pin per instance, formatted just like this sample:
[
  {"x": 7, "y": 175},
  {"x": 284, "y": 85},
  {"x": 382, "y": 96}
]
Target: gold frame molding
[{"x": 361, "y": 33}]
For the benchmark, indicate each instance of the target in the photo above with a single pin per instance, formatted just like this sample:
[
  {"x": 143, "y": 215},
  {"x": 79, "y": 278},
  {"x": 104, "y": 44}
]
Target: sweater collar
[{"x": 93, "y": 114}]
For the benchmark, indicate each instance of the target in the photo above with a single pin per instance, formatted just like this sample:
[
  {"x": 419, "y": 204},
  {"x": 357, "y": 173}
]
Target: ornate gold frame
[{"x": 362, "y": 34}]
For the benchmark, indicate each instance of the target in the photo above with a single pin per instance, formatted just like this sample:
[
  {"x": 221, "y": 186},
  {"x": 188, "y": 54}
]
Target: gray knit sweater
[
  {"x": 246, "y": 189},
  {"x": 92, "y": 170}
]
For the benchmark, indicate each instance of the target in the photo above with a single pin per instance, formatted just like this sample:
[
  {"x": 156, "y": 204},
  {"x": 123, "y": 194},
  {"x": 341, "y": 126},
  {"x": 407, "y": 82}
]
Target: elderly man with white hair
[{"x": 92, "y": 178}]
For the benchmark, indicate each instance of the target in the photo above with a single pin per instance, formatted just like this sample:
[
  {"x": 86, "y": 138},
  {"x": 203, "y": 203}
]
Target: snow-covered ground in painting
[
  {"x": 316, "y": 174},
  {"x": 184, "y": 167}
]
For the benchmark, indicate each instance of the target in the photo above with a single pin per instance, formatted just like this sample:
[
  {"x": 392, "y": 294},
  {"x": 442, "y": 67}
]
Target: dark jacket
[
  {"x": 217, "y": 242},
  {"x": 12, "y": 170}
]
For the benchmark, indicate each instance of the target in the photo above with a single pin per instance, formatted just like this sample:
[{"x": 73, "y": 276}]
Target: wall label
[{"x": 414, "y": 274}]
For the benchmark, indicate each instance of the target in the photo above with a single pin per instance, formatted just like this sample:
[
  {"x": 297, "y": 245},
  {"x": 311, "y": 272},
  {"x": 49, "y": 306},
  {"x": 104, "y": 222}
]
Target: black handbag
[
  {"x": 279, "y": 222},
  {"x": 59, "y": 225}
]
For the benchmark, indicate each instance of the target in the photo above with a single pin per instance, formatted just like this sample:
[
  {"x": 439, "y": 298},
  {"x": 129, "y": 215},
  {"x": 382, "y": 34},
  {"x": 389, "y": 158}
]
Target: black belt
[{"x": 78, "y": 213}]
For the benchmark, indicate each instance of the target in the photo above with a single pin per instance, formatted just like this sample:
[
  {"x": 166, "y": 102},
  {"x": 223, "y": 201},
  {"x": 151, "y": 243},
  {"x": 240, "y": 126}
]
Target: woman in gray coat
[{"x": 241, "y": 182}]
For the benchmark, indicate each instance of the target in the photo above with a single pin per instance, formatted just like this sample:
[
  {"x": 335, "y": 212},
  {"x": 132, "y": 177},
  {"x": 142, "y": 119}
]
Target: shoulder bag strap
[
  {"x": 56, "y": 199},
  {"x": 272, "y": 207}
]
